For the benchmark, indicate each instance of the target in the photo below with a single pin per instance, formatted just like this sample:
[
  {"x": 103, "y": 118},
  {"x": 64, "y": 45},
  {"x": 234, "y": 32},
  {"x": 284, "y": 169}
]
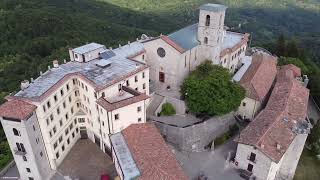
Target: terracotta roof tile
[
  {"x": 274, "y": 125},
  {"x": 16, "y": 109},
  {"x": 151, "y": 154},
  {"x": 260, "y": 76}
]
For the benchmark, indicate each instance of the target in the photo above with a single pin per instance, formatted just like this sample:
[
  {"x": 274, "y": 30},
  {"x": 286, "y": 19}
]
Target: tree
[
  {"x": 295, "y": 61},
  {"x": 314, "y": 139},
  {"x": 167, "y": 110},
  {"x": 281, "y": 46},
  {"x": 209, "y": 90},
  {"x": 292, "y": 49}
]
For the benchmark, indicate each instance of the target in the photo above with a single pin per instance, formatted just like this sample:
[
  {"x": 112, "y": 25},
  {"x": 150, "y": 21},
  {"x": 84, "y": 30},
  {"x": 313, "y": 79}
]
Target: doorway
[
  {"x": 83, "y": 133},
  {"x": 97, "y": 140},
  {"x": 161, "y": 77}
]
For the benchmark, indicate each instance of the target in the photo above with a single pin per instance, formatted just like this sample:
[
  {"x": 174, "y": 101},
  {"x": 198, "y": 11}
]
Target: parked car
[{"x": 105, "y": 177}]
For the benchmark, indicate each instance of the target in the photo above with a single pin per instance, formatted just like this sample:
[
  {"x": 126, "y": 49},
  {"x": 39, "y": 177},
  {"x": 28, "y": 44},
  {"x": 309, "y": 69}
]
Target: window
[
  {"x": 61, "y": 92},
  {"x": 116, "y": 116},
  {"x": 74, "y": 81},
  {"x": 62, "y": 148},
  {"x": 119, "y": 87},
  {"x": 48, "y": 104},
  {"x": 143, "y": 75},
  {"x": 95, "y": 95},
  {"x": 34, "y": 128},
  {"x": 28, "y": 170},
  {"x": 77, "y": 130},
  {"x": 139, "y": 119},
  {"x": 143, "y": 57},
  {"x": 136, "y": 79},
  {"x": 205, "y": 40},
  {"x": 44, "y": 108},
  {"x": 73, "y": 135},
  {"x": 139, "y": 109},
  {"x": 250, "y": 167},
  {"x": 82, "y": 85},
  {"x": 207, "y": 20},
  {"x": 144, "y": 86},
  {"x": 51, "y": 117},
  {"x": 15, "y": 132},
  {"x": 252, "y": 157},
  {"x": 58, "y": 110},
  {"x": 68, "y": 141},
  {"x": 161, "y": 52},
  {"x": 41, "y": 154},
  {"x": 185, "y": 61},
  {"x": 87, "y": 88},
  {"x": 31, "y": 178},
  {"x": 103, "y": 94},
  {"x": 66, "y": 131},
  {"x": 50, "y": 134},
  {"x": 127, "y": 83},
  {"x": 57, "y": 155},
  {"x": 55, "y": 145},
  {"x": 60, "y": 122},
  {"x": 70, "y": 99},
  {"x": 55, "y": 98},
  {"x": 68, "y": 87},
  {"x": 64, "y": 104},
  {"x": 20, "y": 147},
  {"x": 72, "y": 110},
  {"x": 243, "y": 104},
  {"x": 60, "y": 139},
  {"x": 75, "y": 121},
  {"x": 54, "y": 129},
  {"x": 24, "y": 158},
  {"x": 71, "y": 126}
]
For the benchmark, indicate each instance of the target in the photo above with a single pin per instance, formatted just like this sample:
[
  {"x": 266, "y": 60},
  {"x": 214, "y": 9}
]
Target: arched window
[
  {"x": 208, "y": 20},
  {"x": 205, "y": 40},
  {"x": 15, "y": 132}
]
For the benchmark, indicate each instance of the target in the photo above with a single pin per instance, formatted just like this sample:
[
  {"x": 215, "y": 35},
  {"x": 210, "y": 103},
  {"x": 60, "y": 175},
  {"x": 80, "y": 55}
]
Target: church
[{"x": 172, "y": 57}]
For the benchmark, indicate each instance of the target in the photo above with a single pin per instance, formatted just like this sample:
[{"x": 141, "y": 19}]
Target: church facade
[{"x": 172, "y": 57}]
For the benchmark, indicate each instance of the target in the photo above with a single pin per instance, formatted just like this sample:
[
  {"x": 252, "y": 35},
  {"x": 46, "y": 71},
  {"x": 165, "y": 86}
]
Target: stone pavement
[
  {"x": 86, "y": 161},
  {"x": 213, "y": 164}
]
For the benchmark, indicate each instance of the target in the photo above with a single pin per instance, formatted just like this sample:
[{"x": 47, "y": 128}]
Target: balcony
[
  {"x": 20, "y": 153},
  {"x": 251, "y": 159}
]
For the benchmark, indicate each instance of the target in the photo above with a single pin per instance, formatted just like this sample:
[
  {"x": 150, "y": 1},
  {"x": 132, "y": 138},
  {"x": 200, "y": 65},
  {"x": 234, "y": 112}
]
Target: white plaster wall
[
  {"x": 89, "y": 55},
  {"x": 250, "y": 109},
  {"x": 262, "y": 166},
  {"x": 38, "y": 165}
]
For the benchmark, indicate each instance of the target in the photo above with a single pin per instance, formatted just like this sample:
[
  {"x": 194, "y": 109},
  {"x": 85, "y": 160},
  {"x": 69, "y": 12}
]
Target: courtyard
[{"x": 86, "y": 161}]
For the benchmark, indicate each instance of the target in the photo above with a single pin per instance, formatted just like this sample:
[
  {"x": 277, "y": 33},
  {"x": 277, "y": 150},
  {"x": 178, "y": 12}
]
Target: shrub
[
  {"x": 5, "y": 154},
  {"x": 226, "y": 136},
  {"x": 167, "y": 110}
]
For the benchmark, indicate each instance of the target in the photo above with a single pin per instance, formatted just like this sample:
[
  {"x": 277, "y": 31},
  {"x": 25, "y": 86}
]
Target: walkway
[
  {"x": 212, "y": 163},
  {"x": 86, "y": 161}
]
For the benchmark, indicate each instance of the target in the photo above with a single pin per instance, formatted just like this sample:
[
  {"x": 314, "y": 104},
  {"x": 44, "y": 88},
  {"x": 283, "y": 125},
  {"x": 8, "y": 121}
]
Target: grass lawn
[{"x": 308, "y": 167}]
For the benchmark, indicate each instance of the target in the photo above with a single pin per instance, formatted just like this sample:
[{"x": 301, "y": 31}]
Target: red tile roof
[
  {"x": 260, "y": 76},
  {"x": 173, "y": 44},
  {"x": 151, "y": 154},
  {"x": 274, "y": 125},
  {"x": 16, "y": 109},
  {"x": 116, "y": 105},
  {"x": 296, "y": 70}
]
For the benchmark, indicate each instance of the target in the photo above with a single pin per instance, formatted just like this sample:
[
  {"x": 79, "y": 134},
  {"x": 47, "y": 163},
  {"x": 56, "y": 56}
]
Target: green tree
[
  {"x": 281, "y": 46},
  {"x": 292, "y": 49},
  {"x": 167, "y": 110},
  {"x": 209, "y": 90},
  {"x": 296, "y": 61},
  {"x": 314, "y": 139}
]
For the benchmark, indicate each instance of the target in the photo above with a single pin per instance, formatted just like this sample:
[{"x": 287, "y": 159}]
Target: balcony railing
[{"x": 20, "y": 153}]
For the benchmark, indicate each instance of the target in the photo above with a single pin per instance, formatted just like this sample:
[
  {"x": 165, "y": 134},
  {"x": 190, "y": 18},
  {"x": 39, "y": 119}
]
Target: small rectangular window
[
  {"x": 24, "y": 158},
  {"x": 127, "y": 83},
  {"x": 57, "y": 155},
  {"x": 139, "y": 119},
  {"x": 74, "y": 81},
  {"x": 55, "y": 98},
  {"x": 244, "y": 104},
  {"x": 48, "y": 104},
  {"x": 144, "y": 86},
  {"x": 136, "y": 79},
  {"x": 139, "y": 109},
  {"x": 116, "y": 116},
  {"x": 48, "y": 122},
  {"x": 68, "y": 141},
  {"x": 60, "y": 122},
  {"x": 58, "y": 110},
  {"x": 51, "y": 117},
  {"x": 62, "y": 148},
  {"x": 44, "y": 108},
  {"x": 54, "y": 129},
  {"x": 60, "y": 139},
  {"x": 70, "y": 99},
  {"x": 66, "y": 131},
  {"x": 55, "y": 145},
  {"x": 143, "y": 75},
  {"x": 68, "y": 87},
  {"x": 64, "y": 104},
  {"x": 28, "y": 170},
  {"x": 41, "y": 154},
  {"x": 73, "y": 135}
]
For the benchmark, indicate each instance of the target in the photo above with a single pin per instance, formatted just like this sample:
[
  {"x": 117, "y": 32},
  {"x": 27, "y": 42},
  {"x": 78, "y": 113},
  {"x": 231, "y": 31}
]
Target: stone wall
[{"x": 194, "y": 138}]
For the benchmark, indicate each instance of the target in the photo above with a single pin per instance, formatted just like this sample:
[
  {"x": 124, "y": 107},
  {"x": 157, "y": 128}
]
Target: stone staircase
[{"x": 156, "y": 101}]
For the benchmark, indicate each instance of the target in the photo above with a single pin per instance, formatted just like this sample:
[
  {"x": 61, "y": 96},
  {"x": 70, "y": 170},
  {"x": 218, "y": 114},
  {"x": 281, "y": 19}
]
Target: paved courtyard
[
  {"x": 212, "y": 163},
  {"x": 86, "y": 161}
]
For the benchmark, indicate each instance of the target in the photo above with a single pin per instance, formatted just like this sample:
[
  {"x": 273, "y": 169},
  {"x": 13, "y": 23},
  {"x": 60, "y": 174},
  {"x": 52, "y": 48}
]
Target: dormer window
[{"x": 208, "y": 20}]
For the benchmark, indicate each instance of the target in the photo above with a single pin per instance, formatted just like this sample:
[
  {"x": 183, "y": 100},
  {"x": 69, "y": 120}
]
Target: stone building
[
  {"x": 257, "y": 81},
  {"x": 139, "y": 152},
  {"x": 270, "y": 146},
  {"x": 99, "y": 92},
  {"x": 172, "y": 57}
]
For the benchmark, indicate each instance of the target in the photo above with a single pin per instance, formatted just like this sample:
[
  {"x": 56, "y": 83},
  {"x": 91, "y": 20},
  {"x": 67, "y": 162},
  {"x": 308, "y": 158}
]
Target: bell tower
[{"x": 211, "y": 30}]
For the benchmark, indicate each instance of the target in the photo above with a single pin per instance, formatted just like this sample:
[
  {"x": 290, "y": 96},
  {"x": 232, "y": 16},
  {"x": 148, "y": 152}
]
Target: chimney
[
  {"x": 110, "y": 48},
  {"x": 32, "y": 80},
  {"x": 278, "y": 146},
  {"x": 24, "y": 84},
  {"x": 55, "y": 63},
  {"x": 41, "y": 73},
  {"x": 119, "y": 45},
  {"x": 64, "y": 61},
  {"x": 137, "y": 39},
  {"x": 71, "y": 54},
  {"x": 129, "y": 43},
  {"x": 49, "y": 67}
]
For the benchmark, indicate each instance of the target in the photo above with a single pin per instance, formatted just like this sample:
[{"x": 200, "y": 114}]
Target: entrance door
[
  {"x": 97, "y": 140},
  {"x": 161, "y": 77},
  {"x": 250, "y": 167},
  {"x": 83, "y": 134}
]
